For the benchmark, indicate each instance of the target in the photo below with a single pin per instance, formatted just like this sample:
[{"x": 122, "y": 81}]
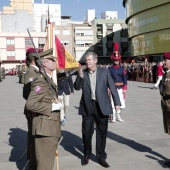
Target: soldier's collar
[{"x": 35, "y": 67}]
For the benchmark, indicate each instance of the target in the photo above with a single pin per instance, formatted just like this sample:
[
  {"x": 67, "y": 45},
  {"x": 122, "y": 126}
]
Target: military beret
[
  {"x": 31, "y": 52},
  {"x": 48, "y": 54},
  {"x": 166, "y": 55}
]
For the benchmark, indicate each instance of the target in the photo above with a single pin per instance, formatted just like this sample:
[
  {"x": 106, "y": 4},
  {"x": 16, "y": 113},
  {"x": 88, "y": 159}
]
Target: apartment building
[
  {"x": 83, "y": 40},
  {"x": 106, "y": 33},
  {"x": 14, "y": 45}
]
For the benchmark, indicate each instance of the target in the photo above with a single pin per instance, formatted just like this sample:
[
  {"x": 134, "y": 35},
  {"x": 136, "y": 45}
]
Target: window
[
  {"x": 65, "y": 42},
  {"x": 28, "y": 42},
  {"x": 88, "y": 32},
  {"x": 109, "y": 39},
  {"x": 66, "y": 32},
  {"x": 124, "y": 33},
  {"x": 88, "y": 44},
  {"x": 10, "y": 42},
  {"x": 79, "y": 43},
  {"x": 79, "y": 33},
  {"x": 79, "y": 54},
  {"x": 57, "y": 32},
  {"x": 10, "y": 53}
]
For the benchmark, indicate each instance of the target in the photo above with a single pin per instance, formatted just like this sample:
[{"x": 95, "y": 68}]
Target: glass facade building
[{"x": 148, "y": 26}]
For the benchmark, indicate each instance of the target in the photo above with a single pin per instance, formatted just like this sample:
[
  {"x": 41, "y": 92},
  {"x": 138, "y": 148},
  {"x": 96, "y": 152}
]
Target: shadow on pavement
[
  {"x": 138, "y": 147},
  {"x": 18, "y": 142},
  {"x": 73, "y": 144},
  {"x": 76, "y": 107},
  {"x": 144, "y": 87}
]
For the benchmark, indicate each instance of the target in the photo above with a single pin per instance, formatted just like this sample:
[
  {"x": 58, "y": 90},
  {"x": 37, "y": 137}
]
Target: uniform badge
[
  {"x": 38, "y": 89},
  {"x": 30, "y": 79}
]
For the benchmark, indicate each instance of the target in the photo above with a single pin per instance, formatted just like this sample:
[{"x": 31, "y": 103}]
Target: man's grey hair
[{"x": 94, "y": 55}]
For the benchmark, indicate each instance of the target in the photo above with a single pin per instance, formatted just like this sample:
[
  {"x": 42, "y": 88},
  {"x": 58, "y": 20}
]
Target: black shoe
[
  {"x": 167, "y": 164},
  {"x": 104, "y": 163},
  {"x": 84, "y": 161}
]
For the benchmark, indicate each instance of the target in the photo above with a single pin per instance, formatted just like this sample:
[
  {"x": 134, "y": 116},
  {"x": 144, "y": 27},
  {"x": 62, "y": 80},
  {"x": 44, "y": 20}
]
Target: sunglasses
[{"x": 52, "y": 59}]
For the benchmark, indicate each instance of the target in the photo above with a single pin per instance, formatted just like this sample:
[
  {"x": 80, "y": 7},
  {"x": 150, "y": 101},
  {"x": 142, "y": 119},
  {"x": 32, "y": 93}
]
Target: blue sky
[{"x": 77, "y": 8}]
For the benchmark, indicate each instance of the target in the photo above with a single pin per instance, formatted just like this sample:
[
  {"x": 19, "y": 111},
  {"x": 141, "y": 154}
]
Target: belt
[
  {"x": 119, "y": 84},
  {"x": 166, "y": 96}
]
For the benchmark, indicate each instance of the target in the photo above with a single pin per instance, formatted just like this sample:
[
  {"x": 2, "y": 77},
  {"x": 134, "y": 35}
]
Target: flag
[{"x": 65, "y": 60}]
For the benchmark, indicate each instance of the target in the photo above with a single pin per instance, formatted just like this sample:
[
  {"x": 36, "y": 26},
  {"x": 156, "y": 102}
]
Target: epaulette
[{"x": 35, "y": 79}]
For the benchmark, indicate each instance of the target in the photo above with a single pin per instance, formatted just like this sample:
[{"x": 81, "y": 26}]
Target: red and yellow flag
[{"x": 65, "y": 60}]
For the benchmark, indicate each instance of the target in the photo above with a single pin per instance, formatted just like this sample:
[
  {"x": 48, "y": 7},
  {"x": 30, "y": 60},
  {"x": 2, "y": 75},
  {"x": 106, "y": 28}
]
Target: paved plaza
[{"x": 137, "y": 144}]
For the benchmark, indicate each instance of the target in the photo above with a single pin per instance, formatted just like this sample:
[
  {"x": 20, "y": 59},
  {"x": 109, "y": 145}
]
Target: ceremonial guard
[
  {"x": 119, "y": 76},
  {"x": 165, "y": 93},
  {"x": 30, "y": 75},
  {"x": 46, "y": 128}
]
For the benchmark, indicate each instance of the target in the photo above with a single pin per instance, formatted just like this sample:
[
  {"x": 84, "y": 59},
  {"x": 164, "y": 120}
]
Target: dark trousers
[{"x": 101, "y": 121}]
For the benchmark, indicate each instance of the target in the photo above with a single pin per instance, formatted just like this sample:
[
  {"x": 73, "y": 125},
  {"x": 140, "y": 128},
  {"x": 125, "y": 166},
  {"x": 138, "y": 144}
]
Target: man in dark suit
[
  {"x": 65, "y": 87},
  {"x": 95, "y": 106}
]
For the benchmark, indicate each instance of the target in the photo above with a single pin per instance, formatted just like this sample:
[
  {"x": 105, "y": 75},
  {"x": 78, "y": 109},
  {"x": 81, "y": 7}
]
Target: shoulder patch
[{"x": 38, "y": 89}]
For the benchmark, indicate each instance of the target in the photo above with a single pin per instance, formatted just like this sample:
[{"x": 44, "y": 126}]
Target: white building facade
[
  {"x": 14, "y": 45},
  {"x": 84, "y": 40}
]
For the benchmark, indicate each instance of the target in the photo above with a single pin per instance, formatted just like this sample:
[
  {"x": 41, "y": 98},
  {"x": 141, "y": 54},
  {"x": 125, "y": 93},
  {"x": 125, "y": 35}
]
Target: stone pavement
[{"x": 137, "y": 144}]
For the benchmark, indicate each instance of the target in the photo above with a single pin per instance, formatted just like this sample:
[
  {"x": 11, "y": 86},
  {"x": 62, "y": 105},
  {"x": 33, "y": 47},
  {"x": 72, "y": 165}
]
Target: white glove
[
  {"x": 118, "y": 111},
  {"x": 56, "y": 106}
]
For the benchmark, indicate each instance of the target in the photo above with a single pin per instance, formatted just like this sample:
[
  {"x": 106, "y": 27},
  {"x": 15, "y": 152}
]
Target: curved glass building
[{"x": 148, "y": 26}]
